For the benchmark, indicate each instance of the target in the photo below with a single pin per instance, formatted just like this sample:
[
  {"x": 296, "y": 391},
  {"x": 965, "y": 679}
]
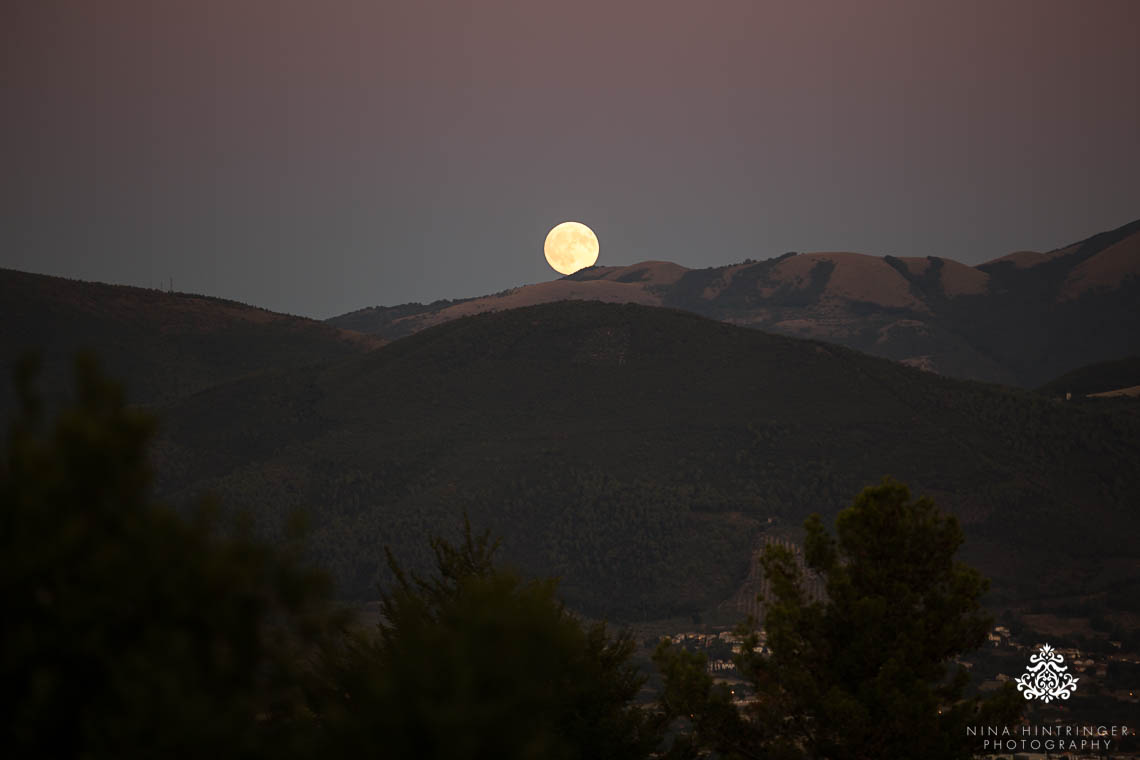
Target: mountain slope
[
  {"x": 164, "y": 345},
  {"x": 1096, "y": 378},
  {"x": 637, "y": 452},
  {"x": 1020, "y": 319}
]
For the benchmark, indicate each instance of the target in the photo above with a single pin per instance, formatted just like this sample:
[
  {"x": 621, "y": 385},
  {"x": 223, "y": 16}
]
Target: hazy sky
[{"x": 318, "y": 156}]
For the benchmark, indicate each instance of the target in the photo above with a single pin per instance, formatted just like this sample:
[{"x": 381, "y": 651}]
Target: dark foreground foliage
[
  {"x": 130, "y": 631},
  {"x": 475, "y": 662},
  {"x": 867, "y": 672}
]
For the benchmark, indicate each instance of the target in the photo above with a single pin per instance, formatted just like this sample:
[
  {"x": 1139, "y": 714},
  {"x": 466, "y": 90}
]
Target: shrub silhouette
[{"x": 129, "y": 631}]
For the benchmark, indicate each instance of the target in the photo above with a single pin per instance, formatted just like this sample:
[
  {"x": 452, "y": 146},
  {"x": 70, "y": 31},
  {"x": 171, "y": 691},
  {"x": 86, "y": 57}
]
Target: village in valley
[
  {"x": 1102, "y": 655},
  {"x": 1107, "y": 693}
]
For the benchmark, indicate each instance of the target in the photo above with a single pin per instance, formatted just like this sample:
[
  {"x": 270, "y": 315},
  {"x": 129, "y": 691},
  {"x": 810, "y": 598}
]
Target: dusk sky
[{"x": 317, "y": 157}]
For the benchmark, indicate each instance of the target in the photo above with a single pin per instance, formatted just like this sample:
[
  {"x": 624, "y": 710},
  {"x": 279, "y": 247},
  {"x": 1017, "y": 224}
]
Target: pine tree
[
  {"x": 869, "y": 671},
  {"x": 127, "y": 630},
  {"x": 476, "y": 662}
]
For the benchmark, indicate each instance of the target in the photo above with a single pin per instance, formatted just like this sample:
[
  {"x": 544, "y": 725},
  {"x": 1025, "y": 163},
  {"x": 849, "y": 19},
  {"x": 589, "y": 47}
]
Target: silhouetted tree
[
  {"x": 476, "y": 662},
  {"x": 128, "y": 631},
  {"x": 866, "y": 672}
]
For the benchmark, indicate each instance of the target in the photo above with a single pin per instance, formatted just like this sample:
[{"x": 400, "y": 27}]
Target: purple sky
[{"x": 319, "y": 156}]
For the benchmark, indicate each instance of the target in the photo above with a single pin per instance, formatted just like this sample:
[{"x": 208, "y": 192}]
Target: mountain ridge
[
  {"x": 162, "y": 344},
  {"x": 930, "y": 312},
  {"x": 608, "y": 441},
  {"x": 604, "y": 441}
]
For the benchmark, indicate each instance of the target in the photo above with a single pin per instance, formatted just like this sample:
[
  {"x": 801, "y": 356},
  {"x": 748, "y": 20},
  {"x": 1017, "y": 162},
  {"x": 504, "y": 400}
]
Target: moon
[{"x": 570, "y": 246}]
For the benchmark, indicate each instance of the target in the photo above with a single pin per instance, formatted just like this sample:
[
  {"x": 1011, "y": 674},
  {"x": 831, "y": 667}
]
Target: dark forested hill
[
  {"x": 1096, "y": 378},
  {"x": 162, "y": 345},
  {"x": 637, "y": 452},
  {"x": 1021, "y": 319}
]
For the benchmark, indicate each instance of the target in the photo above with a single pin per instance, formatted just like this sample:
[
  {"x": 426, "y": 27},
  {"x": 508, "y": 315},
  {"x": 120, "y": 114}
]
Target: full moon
[{"x": 571, "y": 246}]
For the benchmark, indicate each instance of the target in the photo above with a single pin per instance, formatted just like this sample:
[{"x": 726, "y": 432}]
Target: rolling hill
[
  {"x": 638, "y": 453},
  {"x": 1096, "y": 379},
  {"x": 163, "y": 345},
  {"x": 1021, "y": 319}
]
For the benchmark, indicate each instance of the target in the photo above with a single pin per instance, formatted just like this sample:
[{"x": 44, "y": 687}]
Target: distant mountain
[
  {"x": 639, "y": 452},
  {"x": 1099, "y": 378},
  {"x": 164, "y": 345},
  {"x": 1021, "y": 319}
]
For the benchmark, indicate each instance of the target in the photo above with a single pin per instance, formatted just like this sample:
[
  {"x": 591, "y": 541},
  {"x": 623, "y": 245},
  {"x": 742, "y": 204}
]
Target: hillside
[
  {"x": 637, "y": 452},
  {"x": 1021, "y": 319},
  {"x": 1096, "y": 378},
  {"x": 163, "y": 345}
]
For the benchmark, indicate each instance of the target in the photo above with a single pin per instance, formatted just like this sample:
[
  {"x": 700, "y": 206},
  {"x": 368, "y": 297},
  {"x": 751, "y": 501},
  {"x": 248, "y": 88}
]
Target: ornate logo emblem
[{"x": 1045, "y": 678}]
